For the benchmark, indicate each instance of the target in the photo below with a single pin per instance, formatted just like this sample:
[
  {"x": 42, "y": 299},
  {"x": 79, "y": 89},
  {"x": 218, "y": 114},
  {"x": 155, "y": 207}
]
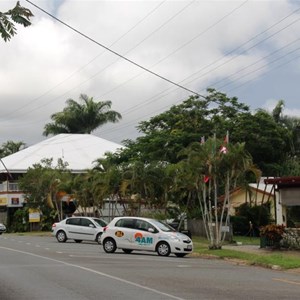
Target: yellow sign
[
  {"x": 3, "y": 201},
  {"x": 34, "y": 215},
  {"x": 119, "y": 233}
]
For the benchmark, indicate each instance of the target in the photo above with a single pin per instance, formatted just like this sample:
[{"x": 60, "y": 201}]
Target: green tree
[
  {"x": 11, "y": 147},
  {"x": 166, "y": 134},
  {"x": 18, "y": 15},
  {"x": 82, "y": 117},
  {"x": 206, "y": 173},
  {"x": 266, "y": 140},
  {"x": 41, "y": 184}
]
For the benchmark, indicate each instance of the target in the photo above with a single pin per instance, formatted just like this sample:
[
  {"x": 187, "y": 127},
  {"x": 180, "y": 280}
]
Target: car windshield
[
  {"x": 162, "y": 226},
  {"x": 100, "y": 222}
]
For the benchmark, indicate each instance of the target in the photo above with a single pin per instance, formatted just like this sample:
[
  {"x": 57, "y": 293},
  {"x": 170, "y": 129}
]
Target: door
[{"x": 145, "y": 235}]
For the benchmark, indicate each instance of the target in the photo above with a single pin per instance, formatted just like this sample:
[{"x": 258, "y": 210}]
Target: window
[
  {"x": 100, "y": 222},
  {"x": 73, "y": 221},
  {"x": 142, "y": 225},
  {"x": 86, "y": 223},
  {"x": 127, "y": 223}
]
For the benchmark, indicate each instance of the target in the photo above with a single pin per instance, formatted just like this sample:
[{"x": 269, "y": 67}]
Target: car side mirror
[
  {"x": 92, "y": 226},
  {"x": 151, "y": 230}
]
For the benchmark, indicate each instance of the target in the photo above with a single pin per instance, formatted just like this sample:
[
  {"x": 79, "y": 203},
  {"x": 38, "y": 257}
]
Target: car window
[
  {"x": 144, "y": 225},
  {"x": 100, "y": 222},
  {"x": 162, "y": 226},
  {"x": 73, "y": 221},
  {"x": 86, "y": 222},
  {"x": 127, "y": 223}
]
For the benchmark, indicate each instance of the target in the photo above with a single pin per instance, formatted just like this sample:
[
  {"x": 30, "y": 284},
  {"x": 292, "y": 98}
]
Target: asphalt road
[{"x": 41, "y": 268}]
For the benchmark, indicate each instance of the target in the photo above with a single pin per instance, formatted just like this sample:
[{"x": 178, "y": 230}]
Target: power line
[
  {"x": 116, "y": 53},
  {"x": 92, "y": 60}
]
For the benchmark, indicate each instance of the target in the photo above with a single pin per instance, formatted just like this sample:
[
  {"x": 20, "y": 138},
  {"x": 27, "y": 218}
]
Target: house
[
  {"x": 287, "y": 194},
  {"x": 258, "y": 194},
  {"x": 79, "y": 151}
]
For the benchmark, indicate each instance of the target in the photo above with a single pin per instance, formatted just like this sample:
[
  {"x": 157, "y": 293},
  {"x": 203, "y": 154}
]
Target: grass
[{"x": 283, "y": 259}]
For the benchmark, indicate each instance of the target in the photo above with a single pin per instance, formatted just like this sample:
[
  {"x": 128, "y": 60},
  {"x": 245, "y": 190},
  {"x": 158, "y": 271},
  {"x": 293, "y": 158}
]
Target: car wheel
[
  {"x": 127, "y": 251},
  {"x": 109, "y": 245},
  {"x": 61, "y": 236},
  {"x": 78, "y": 241},
  {"x": 163, "y": 249},
  {"x": 180, "y": 254},
  {"x": 98, "y": 238}
]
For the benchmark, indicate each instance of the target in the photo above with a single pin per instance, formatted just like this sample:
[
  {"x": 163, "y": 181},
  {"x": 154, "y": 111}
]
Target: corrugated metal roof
[
  {"x": 78, "y": 150},
  {"x": 281, "y": 182}
]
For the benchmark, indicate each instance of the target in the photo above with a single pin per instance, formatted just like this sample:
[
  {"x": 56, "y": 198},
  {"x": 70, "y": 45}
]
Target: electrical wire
[
  {"x": 92, "y": 60},
  {"x": 116, "y": 53}
]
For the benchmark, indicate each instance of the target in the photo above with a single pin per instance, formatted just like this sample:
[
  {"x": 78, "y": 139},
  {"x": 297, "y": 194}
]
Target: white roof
[{"x": 79, "y": 150}]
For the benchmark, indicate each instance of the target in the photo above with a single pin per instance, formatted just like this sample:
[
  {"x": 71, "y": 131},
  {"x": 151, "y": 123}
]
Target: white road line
[
  {"x": 286, "y": 281},
  {"x": 97, "y": 272}
]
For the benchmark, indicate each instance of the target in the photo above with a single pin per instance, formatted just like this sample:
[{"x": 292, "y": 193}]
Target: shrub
[{"x": 273, "y": 234}]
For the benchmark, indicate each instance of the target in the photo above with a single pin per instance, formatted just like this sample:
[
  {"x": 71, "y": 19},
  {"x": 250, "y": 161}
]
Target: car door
[
  {"x": 145, "y": 235},
  {"x": 73, "y": 228},
  {"x": 124, "y": 233},
  {"x": 87, "y": 230}
]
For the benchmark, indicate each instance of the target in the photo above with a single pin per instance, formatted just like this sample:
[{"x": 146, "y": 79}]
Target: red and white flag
[{"x": 223, "y": 148}]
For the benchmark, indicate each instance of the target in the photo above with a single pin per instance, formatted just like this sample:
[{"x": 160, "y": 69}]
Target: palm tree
[
  {"x": 17, "y": 15},
  {"x": 82, "y": 117},
  {"x": 209, "y": 173}
]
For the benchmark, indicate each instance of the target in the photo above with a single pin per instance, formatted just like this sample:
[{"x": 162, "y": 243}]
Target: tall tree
[
  {"x": 209, "y": 171},
  {"x": 83, "y": 117},
  {"x": 19, "y": 15}
]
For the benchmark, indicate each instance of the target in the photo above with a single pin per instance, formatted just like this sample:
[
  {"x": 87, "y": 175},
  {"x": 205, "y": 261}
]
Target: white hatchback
[
  {"x": 79, "y": 229},
  {"x": 134, "y": 233}
]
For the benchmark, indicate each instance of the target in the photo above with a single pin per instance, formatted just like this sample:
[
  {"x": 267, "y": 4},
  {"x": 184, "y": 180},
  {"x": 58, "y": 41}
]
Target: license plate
[{"x": 189, "y": 247}]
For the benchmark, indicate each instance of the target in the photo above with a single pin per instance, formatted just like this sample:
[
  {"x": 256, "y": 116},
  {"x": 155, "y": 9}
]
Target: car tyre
[
  {"x": 109, "y": 245},
  {"x": 180, "y": 254},
  {"x": 98, "y": 238},
  {"x": 127, "y": 251},
  {"x": 163, "y": 249},
  {"x": 61, "y": 236}
]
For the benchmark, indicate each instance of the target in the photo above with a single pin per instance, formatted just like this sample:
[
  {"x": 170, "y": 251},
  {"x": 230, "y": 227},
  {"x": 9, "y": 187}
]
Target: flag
[
  {"x": 206, "y": 179},
  {"x": 223, "y": 148}
]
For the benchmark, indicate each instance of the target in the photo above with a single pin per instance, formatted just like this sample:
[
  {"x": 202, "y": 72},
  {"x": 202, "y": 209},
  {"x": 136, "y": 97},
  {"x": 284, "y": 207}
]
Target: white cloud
[{"x": 198, "y": 44}]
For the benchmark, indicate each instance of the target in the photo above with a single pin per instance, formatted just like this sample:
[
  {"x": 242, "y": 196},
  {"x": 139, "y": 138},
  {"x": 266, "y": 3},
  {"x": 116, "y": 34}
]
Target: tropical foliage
[
  {"x": 11, "y": 147},
  {"x": 181, "y": 162},
  {"x": 83, "y": 117},
  {"x": 18, "y": 15}
]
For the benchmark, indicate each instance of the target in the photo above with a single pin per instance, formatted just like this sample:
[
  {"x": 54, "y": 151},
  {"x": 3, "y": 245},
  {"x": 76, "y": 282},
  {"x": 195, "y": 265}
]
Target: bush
[{"x": 273, "y": 234}]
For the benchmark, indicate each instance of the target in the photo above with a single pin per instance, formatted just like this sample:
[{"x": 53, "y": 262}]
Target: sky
[{"x": 245, "y": 49}]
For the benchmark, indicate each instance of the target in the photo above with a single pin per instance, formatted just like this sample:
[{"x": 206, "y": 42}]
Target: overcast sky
[{"x": 248, "y": 49}]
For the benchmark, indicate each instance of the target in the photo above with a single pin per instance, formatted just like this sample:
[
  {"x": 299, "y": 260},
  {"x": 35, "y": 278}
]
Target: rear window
[
  {"x": 73, "y": 221},
  {"x": 126, "y": 223}
]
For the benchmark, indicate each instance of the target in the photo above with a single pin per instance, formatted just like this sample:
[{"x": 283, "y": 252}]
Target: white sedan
[
  {"x": 134, "y": 233},
  {"x": 79, "y": 229}
]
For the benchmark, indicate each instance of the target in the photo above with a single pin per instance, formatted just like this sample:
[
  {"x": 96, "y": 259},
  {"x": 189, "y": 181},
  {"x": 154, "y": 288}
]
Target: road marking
[
  {"x": 286, "y": 281},
  {"x": 97, "y": 272}
]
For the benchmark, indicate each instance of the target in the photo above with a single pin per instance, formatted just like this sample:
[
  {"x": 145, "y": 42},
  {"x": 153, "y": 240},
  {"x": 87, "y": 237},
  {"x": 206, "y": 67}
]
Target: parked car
[
  {"x": 79, "y": 229},
  {"x": 2, "y": 228},
  {"x": 134, "y": 233}
]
